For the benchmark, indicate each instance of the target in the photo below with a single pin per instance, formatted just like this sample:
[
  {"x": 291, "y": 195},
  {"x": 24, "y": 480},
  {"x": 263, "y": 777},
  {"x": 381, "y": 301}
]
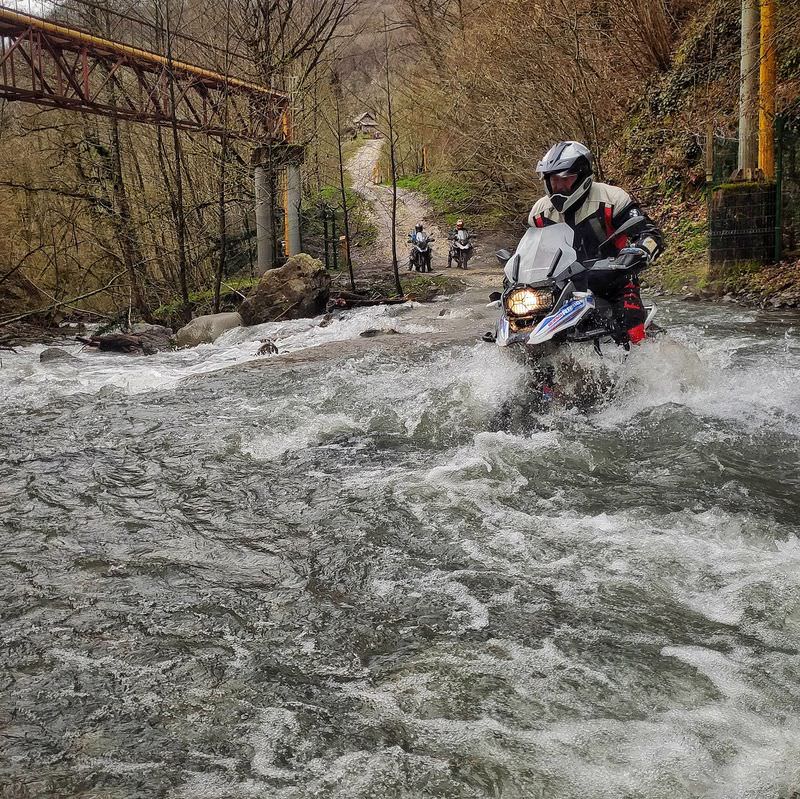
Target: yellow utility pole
[{"x": 766, "y": 104}]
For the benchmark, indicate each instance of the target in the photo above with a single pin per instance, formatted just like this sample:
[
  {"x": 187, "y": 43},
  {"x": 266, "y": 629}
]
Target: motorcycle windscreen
[
  {"x": 422, "y": 239},
  {"x": 538, "y": 250},
  {"x": 462, "y": 236}
]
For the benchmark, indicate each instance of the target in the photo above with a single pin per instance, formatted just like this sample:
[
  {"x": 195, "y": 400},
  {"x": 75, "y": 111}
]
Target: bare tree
[
  {"x": 392, "y": 142},
  {"x": 343, "y": 192}
]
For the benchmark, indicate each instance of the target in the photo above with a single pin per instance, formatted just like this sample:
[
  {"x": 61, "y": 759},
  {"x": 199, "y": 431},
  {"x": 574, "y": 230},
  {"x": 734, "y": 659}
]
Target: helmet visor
[{"x": 562, "y": 182}]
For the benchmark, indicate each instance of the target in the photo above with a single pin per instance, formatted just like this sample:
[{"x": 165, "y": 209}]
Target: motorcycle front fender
[
  {"x": 564, "y": 319},
  {"x": 504, "y": 337}
]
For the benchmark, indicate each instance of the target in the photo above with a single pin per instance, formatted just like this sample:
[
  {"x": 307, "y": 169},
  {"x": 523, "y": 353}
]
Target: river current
[{"x": 373, "y": 568}]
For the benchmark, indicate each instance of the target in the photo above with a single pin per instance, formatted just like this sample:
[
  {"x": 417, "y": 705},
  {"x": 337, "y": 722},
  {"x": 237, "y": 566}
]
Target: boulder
[
  {"x": 56, "y": 354},
  {"x": 207, "y": 329},
  {"x": 298, "y": 289},
  {"x": 372, "y": 332},
  {"x": 154, "y": 337}
]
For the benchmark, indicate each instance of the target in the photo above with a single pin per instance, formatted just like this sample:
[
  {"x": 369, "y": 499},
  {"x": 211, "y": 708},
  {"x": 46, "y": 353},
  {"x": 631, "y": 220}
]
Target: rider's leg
[
  {"x": 622, "y": 291},
  {"x": 633, "y": 311}
]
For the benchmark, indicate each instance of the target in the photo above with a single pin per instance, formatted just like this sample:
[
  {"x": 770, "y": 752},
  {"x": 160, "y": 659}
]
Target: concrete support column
[
  {"x": 264, "y": 221},
  {"x": 748, "y": 89},
  {"x": 293, "y": 189}
]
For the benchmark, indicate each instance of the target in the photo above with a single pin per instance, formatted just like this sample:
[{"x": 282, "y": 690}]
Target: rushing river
[{"x": 349, "y": 571}]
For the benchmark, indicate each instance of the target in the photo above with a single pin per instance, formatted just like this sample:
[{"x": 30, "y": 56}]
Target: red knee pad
[{"x": 636, "y": 334}]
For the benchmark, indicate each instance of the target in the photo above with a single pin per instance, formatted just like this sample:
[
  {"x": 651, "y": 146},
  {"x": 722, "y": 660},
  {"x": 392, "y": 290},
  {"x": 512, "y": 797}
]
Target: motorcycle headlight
[{"x": 525, "y": 302}]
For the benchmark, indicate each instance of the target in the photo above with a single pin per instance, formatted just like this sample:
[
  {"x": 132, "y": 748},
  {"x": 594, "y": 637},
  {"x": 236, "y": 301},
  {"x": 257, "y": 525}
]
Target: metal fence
[
  {"x": 320, "y": 234},
  {"x": 763, "y": 220},
  {"x": 787, "y": 162}
]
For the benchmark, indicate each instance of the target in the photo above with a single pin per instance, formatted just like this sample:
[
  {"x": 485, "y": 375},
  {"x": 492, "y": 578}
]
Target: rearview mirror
[
  {"x": 627, "y": 225},
  {"x": 503, "y": 256}
]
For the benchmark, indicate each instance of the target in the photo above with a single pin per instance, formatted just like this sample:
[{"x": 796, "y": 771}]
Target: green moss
[
  {"x": 425, "y": 287},
  {"x": 201, "y": 302},
  {"x": 449, "y": 196},
  {"x": 452, "y": 197},
  {"x": 742, "y": 185}
]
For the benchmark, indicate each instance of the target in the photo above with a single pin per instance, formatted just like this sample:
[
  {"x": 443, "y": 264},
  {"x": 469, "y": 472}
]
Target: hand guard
[{"x": 631, "y": 258}]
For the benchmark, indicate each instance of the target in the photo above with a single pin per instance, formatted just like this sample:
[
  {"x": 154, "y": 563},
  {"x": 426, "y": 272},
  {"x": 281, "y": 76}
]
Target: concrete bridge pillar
[
  {"x": 265, "y": 221},
  {"x": 267, "y": 160},
  {"x": 293, "y": 197}
]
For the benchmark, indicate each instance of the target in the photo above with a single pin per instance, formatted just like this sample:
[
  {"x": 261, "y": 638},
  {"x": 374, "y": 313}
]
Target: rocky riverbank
[{"x": 774, "y": 286}]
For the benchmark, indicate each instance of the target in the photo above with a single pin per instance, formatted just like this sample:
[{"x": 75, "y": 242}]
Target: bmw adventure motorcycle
[
  {"x": 461, "y": 249},
  {"x": 546, "y": 300},
  {"x": 546, "y": 305},
  {"x": 419, "y": 258}
]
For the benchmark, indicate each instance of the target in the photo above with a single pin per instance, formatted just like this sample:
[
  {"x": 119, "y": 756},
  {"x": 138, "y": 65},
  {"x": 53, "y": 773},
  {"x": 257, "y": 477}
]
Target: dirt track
[{"x": 411, "y": 208}]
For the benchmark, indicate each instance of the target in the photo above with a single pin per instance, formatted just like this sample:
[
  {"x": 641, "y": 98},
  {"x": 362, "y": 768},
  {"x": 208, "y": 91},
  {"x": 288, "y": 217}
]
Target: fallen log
[
  {"x": 354, "y": 301},
  {"x": 116, "y": 342}
]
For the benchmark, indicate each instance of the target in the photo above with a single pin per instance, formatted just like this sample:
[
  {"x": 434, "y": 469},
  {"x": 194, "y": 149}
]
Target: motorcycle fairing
[
  {"x": 539, "y": 253},
  {"x": 505, "y": 337},
  {"x": 563, "y": 319}
]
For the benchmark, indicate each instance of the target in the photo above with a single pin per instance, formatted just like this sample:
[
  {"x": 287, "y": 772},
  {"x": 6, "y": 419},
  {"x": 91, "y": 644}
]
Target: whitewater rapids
[{"x": 336, "y": 573}]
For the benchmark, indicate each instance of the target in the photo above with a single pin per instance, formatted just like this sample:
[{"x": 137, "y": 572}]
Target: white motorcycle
[
  {"x": 461, "y": 249},
  {"x": 546, "y": 296},
  {"x": 419, "y": 258}
]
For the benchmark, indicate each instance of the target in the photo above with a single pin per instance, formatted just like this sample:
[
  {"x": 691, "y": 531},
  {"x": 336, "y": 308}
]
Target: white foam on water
[
  {"x": 309, "y": 431},
  {"x": 738, "y": 377},
  {"x": 275, "y": 729},
  {"x": 724, "y": 671},
  {"x": 721, "y": 725},
  {"x": 24, "y": 380},
  {"x": 668, "y": 754}
]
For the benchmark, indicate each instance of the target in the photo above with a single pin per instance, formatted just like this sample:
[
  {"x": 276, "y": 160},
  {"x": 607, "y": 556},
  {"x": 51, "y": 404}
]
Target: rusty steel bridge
[{"x": 55, "y": 64}]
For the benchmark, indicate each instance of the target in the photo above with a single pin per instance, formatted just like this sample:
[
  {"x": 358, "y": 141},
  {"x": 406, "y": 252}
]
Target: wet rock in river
[
  {"x": 207, "y": 329},
  {"x": 298, "y": 289},
  {"x": 154, "y": 337},
  {"x": 52, "y": 354},
  {"x": 384, "y": 331}
]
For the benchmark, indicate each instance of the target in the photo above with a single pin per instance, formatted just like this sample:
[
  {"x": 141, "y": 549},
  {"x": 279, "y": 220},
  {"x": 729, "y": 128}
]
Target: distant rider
[
  {"x": 452, "y": 235},
  {"x": 412, "y": 239},
  {"x": 594, "y": 211}
]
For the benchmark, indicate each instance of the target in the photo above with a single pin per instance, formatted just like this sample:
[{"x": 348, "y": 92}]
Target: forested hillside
[
  {"x": 645, "y": 84},
  {"x": 119, "y": 215}
]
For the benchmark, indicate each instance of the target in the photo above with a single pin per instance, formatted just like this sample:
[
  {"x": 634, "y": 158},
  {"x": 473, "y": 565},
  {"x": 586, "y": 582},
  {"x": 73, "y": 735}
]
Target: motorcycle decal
[
  {"x": 566, "y": 314},
  {"x": 567, "y": 317}
]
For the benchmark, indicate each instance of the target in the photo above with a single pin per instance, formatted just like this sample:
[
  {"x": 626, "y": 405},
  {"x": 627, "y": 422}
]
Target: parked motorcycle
[
  {"x": 461, "y": 249},
  {"x": 546, "y": 296},
  {"x": 419, "y": 258}
]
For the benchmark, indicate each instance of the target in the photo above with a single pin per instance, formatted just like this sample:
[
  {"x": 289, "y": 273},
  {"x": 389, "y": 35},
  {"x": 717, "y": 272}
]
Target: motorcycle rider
[
  {"x": 412, "y": 239},
  {"x": 452, "y": 237},
  {"x": 594, "y": 211}
]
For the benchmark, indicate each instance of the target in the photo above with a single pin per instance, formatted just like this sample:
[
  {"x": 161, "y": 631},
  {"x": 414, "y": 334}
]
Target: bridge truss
[{"x": 57, "y": 66}]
